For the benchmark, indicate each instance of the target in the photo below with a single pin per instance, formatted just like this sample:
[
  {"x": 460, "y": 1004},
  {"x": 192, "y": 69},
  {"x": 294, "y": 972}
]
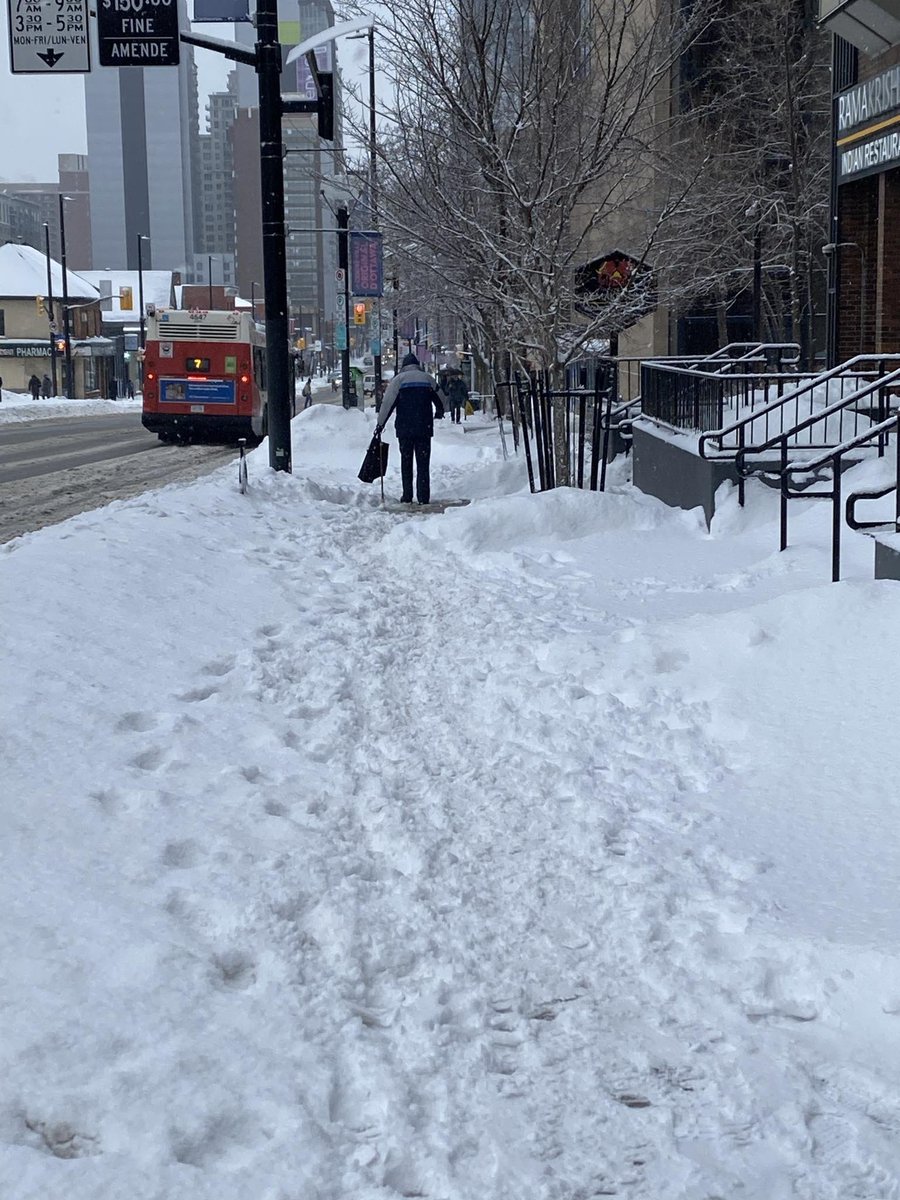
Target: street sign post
[
  {"x": 138, "y": 33},
  {"x": 48, "y": 35}
]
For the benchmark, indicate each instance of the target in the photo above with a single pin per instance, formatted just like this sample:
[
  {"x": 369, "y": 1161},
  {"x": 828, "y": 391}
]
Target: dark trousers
[
  {"x": 420, "y": 448},
  {"x": 455, "y": 410}
]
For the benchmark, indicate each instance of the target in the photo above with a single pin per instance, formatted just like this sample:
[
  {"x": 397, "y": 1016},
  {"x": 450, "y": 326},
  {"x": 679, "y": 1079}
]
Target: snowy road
[
  {"x": 446, "y": 856},
  {"x": 51, "y": 469}
]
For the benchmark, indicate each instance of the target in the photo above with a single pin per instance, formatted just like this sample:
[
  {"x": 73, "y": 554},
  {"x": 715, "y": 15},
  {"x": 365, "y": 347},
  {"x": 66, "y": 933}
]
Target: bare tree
[
  {"x": 520, "y": 132},
  {"x": 754, "y": 133}
]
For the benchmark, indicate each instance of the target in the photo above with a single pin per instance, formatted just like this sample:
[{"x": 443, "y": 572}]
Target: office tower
[
  {"x": 44, "y": 201},
  {"x": 144, "y": 161}
]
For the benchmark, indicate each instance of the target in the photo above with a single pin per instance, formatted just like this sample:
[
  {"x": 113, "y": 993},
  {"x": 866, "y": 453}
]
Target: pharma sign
[
  {"x": 868, "y": 126},
  {"x": 48, "y": 35},
  {"x": 138, "y": 33}
]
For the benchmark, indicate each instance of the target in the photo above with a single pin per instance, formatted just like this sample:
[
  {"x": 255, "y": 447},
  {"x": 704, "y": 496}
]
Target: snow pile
[
  {"x": 19, "y": 406},
  {"x": 538, "y": 849}
]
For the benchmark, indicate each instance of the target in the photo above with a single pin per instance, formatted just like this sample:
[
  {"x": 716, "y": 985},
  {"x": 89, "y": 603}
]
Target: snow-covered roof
[
  {"x": 157, "y": 290},
  {"x": 23, "y": 274}
]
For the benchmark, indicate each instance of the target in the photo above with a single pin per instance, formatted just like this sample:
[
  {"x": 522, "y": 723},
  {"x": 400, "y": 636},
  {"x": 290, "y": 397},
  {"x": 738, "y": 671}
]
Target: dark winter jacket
[
  {"x": 457, "y": 391},
  {"x": 415, "y": 398}
]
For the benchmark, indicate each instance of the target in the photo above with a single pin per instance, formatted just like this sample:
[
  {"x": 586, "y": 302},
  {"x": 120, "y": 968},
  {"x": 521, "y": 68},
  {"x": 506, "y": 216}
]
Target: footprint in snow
[{"x": 137, "y": 722}]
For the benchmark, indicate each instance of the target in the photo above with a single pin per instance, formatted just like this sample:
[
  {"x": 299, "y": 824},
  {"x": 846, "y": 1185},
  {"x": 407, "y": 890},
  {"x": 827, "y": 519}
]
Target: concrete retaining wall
[{"x": 675, "y": 474}]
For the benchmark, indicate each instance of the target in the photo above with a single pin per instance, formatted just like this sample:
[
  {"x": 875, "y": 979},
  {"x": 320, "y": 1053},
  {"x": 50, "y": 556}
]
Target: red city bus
[{"x": 205, "y": 377}]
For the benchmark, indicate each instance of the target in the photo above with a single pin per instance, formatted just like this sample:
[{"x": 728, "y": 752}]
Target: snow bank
[
  {"x": 17, "y": 406},
  {"x": 538, "y": 849}
]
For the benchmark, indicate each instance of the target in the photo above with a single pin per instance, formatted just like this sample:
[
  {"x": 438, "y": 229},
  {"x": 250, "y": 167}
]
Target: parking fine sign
[
  {"x": 138, "y": 33},
  {"x": 48, "y": 35}
]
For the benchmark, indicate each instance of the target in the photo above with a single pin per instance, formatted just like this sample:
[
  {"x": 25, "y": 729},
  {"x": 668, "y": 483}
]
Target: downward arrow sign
[{"x": 51, "y": 58}]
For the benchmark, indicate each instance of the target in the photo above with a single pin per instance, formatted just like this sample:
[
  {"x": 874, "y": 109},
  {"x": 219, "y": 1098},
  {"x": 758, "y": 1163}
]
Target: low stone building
[{"x": 32, "y": 327}]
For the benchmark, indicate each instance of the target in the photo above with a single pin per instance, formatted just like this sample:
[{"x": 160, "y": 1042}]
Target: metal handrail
[
  {"x": 834, "y": 458},
  {"x": 780, "y": 439},
  {"x": 793, "y": 395},
  {"x": 873, "y": 494}
]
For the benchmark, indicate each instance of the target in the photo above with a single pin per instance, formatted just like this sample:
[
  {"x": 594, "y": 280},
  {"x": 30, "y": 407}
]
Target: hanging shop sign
[{"x": 868, "y": 126}]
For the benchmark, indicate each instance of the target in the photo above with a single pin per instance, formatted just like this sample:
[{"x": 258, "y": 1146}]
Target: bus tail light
[
  {"x": 245, "y": 379},
  {"x": 151, "y": 375}
]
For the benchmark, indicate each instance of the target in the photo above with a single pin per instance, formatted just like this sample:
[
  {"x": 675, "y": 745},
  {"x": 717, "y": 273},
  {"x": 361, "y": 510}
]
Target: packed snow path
[{"x": 355, "y": 855}]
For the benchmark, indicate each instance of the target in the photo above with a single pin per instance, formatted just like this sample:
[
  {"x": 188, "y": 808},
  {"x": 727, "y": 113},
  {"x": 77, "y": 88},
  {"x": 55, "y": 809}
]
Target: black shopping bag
[{"x": 376, "y": 460}]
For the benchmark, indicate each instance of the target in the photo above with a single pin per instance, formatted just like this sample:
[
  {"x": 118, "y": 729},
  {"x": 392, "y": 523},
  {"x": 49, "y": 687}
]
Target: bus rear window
[{"x": 196, "y": 364}]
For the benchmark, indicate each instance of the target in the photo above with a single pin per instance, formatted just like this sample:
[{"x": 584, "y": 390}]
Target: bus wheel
[{"x": 165, "y": 438}]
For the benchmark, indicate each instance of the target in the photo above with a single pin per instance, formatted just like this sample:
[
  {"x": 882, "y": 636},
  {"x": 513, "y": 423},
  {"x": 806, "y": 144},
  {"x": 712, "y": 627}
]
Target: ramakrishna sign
[{"x": 868, "y": 138}]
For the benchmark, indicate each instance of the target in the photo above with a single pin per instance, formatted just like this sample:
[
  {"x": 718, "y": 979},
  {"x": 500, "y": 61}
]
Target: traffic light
[
  {"x": 359, "y": 312},
  {"x": 126, "y": 298},
  {"x": 40, "y": 306},
  {"x": 325, "y": 106},
  {"x": 60, "y": 345}
]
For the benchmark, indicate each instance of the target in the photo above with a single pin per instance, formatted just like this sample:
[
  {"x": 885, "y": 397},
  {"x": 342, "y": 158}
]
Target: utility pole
[
  {"x": 65, "y": 295},
  {"x": 343, "y": 220},
  {"x": 271, "y": 165},
  {"x": 395, "y": 282},
  {"x": 373, "y": 195},
  {"x": 50, "y": 316},
  {"x": 266, "y": 60}
]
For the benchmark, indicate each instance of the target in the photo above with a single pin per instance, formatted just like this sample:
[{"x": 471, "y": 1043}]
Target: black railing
[
  {"x": 833, "y": 461},
  {"x": 702, "y": 399},
  {"x": 837, "y": 391},
  {"x": 563, "y": 431}
]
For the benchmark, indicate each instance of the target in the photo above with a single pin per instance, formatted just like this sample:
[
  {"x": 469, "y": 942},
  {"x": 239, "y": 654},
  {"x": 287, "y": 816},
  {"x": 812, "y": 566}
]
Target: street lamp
[
  {"x": 50, "y": 316},
  {"x": 65, "y": 295},
  {"x": 141, "y": 237},
  {"x": 830, "y": 249},
  {"x": 373, "y": 196},
  {"x": 306, "y": 48},
  {"x": 209, "y": 279}
]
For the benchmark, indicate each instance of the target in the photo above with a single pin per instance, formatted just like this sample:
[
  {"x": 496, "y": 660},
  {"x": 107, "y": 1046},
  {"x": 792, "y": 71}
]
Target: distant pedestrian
[
  {"x": 113, "y": 393},
  {"x": 46, "y": 388},
  {"x": 417, "y": 399},
  {"x": 129, "y": 389},
  {"x": 334, "y": 383},
  {"x": 307, "y": 393},
  {"x": 34, "y": 386},
  {"x": 458, "y": 394}
]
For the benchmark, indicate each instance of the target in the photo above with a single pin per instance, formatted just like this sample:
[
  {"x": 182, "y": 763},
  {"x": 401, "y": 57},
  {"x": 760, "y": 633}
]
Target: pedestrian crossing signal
[{"x": 359, "y": 313}]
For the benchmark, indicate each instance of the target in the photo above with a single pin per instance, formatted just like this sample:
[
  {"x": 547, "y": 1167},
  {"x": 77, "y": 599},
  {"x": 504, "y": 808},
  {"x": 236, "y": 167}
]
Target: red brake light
[
  {"x": 151, "y": 375},
  {"x": 245, "y": 379}
]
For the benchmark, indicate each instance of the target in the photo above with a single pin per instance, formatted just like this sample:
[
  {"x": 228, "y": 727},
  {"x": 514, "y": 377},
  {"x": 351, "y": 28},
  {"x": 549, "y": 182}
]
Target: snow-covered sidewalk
[
  {"x": 539, "y": 850},
  {"x": 18, "y": 406}
]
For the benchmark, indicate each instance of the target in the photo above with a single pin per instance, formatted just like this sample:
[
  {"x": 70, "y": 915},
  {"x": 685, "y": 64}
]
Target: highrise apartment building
[
  {"x": 144, "y": 161},
  {"x": 216, "y": 206}
]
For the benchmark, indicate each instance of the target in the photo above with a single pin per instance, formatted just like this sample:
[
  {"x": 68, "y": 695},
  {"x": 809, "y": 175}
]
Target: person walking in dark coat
[
  {"x": 459, "y": 394},
  {"x": 415, "y": 398},
  {"x": 34, "y": 386},
  {"x": 46, "y": 388}
]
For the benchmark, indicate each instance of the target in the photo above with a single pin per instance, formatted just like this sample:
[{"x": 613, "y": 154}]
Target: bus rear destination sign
[
  {"x": 48, "y": 35},
  {"x": 138, "y": 33}
]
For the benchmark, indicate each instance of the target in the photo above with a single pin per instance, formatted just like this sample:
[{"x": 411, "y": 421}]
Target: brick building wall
[{"x": 869, "y": 217}]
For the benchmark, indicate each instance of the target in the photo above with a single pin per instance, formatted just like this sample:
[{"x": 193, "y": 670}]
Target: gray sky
[
  {"x": 44, "y": 114},
  {"x": 48, "y": 110}
]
